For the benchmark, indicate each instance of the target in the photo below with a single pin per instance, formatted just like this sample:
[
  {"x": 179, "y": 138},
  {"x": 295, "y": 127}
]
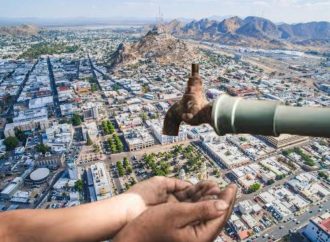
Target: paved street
[{"x": 303, "y": 219}]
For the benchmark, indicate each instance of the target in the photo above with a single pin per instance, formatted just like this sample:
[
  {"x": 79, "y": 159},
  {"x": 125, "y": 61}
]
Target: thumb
[{"x": 200, "y": 211}]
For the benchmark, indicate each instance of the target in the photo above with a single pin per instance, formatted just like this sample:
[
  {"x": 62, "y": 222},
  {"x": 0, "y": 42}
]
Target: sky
[{"x": 290, "y": 11}]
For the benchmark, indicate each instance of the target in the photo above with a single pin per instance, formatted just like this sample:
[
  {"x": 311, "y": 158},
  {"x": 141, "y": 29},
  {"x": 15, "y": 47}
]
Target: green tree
[
  {"x": 113, "y": 148},
  {"x": 42, "y": 148},
  {"x": 111, "y": 127},
  {"x": 126, "y": 163},
  {"x": 280, "y": 177},
  {"x": 121, "y": 170},
  {"x": 144, "y": 116},
  {"x": 254, "y": 187},
  {"x": 285, "y": 152},
  {"x": 108, "y": 127},
  {"x": 20, "y": 135},
  {"x": 322, "y": 174},
  {"x": 115, "y": 87},
  {"x": 94, "y": 87},
  {"x": 76, "y": 119},
  {"x": 129, "y": 170},
  {"x": 270, "y": 182},
  {"x": 79, "y": 185},
  {"x": 118, "y": 143},
  {"x": 11, "y": 143}
]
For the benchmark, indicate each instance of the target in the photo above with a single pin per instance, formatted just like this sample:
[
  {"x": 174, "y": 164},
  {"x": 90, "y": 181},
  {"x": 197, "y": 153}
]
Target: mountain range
[{"x": 254, "y": 32}]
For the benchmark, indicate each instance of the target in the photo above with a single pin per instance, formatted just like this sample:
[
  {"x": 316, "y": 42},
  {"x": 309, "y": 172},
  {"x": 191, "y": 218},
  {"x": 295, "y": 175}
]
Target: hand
[
  {"x": 161, "y": 190},
  {"x": 180, "y": 222},
  {"x": 193, "y": 109}
]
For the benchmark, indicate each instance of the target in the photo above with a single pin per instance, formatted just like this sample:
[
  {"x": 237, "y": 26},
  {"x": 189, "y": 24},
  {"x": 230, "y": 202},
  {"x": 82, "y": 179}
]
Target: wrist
[
  {"x": 133, "y": 206},
  {"x": 208, "y": 114}
]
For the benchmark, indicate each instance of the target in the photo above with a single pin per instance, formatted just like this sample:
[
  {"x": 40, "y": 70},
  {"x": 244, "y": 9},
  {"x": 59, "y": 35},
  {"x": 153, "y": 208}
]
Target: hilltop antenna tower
[{"x": 160, "y": 18}]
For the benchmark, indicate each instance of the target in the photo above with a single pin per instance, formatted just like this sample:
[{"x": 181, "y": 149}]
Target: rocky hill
[
  {"x": 22, "y": 30},
  {"x": 255, "y": 32},
  {"x": 156, "y": 46}
]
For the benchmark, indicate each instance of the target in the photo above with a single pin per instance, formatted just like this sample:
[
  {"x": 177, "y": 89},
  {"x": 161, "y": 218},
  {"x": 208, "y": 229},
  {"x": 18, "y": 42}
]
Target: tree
[
  {"x": 280, "y": 177},
  {"x": 254, "y": 187},
  {"x": 243, "y": 139},
  {"x": 227, "y": 153},
  {"x": 144, "y": 116},
  {"x": 108, "y": 127},
  {"x": 79, "y": 185},
  {"x": 76, "y": 119},
  {"x": 121, "y": 170},
  {"x": 89, "y": 140},
  {"x": 11, "y": 143},
  {"x": 126, "y": 162},
  {"x": 20, "y": 135},
  {"x": 94, "y": 87},
  {"x": 113, "y": 148},
  {"x": 111, "y": 128},
  {"x": 270, "y": 182},
  {"x": 118, "y": 143},
  {"x": 322, "y": 174},
  {"x": 129, "y": 170},
  {"x": 42, "y": 148},
  {"x": 115, "y": 87}
]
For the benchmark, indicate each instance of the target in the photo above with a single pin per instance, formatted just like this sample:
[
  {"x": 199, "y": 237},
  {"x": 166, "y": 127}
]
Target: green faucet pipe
[{"x": 237, "y": 115}]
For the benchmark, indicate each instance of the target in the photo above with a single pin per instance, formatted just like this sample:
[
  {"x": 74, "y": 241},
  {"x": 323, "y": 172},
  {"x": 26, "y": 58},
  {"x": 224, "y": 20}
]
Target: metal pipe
[{"x": 237, "y": 115}]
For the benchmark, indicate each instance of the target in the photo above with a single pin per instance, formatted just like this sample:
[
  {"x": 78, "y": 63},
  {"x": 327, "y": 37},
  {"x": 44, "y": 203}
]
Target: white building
[
  {"x": 11, "y": 188},
  {"x": 101, "y": 181},
  {"x": 138, "y": 139},
  {"x": 41, "y": 102},
  {"x": 156, "y": 128},
  {"x": 58, "y": 137},
  {"x": 28, "y": 120}
]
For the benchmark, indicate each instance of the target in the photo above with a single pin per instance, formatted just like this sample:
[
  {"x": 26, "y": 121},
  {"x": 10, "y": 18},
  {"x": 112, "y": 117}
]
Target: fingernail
[{"x": 221, "y": 205}]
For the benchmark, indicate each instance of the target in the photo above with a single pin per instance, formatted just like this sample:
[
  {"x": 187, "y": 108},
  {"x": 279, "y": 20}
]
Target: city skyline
[{"x": 291, "y": 11}]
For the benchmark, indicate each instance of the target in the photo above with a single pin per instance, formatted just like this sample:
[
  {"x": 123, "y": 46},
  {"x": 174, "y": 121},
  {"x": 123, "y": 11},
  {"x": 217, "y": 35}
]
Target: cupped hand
[
  {"x": 162, "y": 190},
  {"x": 201, "y": 221}
]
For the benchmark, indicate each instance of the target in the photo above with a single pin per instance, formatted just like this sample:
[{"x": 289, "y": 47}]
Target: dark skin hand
[
  {"x": 193, "y": 108},
  {"x": 160, "y": 190},
  {"x": 200, "y": 221}
]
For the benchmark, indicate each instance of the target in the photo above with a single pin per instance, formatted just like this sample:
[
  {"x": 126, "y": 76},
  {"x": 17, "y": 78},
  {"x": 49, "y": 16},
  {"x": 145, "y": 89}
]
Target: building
[
  {"x": 127, "y": 121},
  {"x": 73, "y": 172},
  {"x": 223, "y": 152},
  {"x": 318, "y": 229},
  {"x": 39, "y": 175},
  {"x": 11, "y": 188},
  {"x": 41, "y": 102},
  {"x": 90, "y": 129},
  {"x": 284, "y": 140},
  {"x": 156, "y": 128},
  {"x": 50, "y": 160},
  {"x": 58, "y": 137},
  {"x": 101, "y": 181},
  {"x": 138, "y": 139},
  {"x": 28, "y": 120},
  {"x": 325, "y": 87}
]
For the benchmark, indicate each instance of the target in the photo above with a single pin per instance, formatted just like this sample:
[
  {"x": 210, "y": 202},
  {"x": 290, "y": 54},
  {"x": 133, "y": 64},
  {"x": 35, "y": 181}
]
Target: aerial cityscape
[{"x": 83, "y": 104}]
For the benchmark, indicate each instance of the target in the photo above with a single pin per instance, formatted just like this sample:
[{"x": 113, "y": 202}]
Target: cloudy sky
[{"x": 277, "y": 10}]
